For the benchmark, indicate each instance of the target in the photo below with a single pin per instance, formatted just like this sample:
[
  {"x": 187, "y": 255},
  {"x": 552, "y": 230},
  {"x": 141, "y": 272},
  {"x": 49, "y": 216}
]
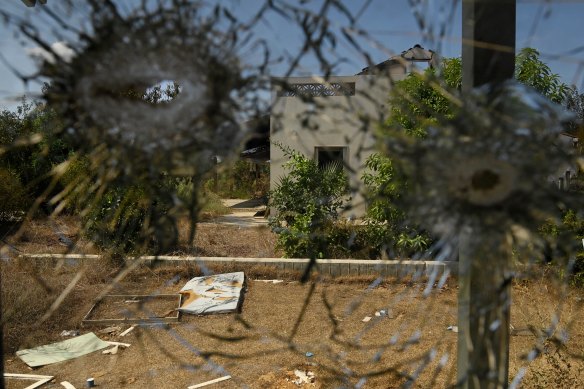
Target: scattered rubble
[
  {"x": 304, "y": 377},
  {"x": 66, "y": 333}
]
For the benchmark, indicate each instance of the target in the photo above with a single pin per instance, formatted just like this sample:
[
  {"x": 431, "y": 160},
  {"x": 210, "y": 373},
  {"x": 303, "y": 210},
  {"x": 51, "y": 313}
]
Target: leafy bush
[
  {"x": 131, "y": 219},
  {"x": 572, "y": 229},
  {"x": 14, "y": 199},
  {"x": 212, "y": 206},
  {"x": 307, "y": 200},
  {"x": 241, "y": 179},
  {"x": 384, "y": 229},
  {"x": 126, "y": 214},
  {"x": 575, "y": 225},
  {"x": 382, "y": 188},
  {"x": 31, "y": 148}
]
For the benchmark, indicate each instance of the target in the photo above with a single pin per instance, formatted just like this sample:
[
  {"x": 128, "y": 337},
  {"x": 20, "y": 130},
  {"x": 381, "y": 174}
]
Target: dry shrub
[{"x": 212, "y": 240}]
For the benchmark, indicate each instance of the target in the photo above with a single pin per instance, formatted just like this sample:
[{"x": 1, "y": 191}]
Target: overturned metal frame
[{"x": 151, "y": 320}]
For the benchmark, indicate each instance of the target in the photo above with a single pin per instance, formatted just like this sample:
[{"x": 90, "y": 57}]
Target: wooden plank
[
  {"x": 206, "y": 383},
  {"x": 126, "y": 332},
  {"x": 67, "y": 385},
  {"x": 119, "y": 344},
  {"x": 27, "y": 376},
  {"x": 40, "y": 379}
]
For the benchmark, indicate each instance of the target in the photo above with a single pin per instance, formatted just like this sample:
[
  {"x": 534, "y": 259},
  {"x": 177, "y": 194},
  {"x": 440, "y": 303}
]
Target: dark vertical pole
[
  {"x": 216, "y": 174},
  {"x": 488, "y": 56},
  {"x": 1, "y": 339},
  {"x": 488, "y": 41}
]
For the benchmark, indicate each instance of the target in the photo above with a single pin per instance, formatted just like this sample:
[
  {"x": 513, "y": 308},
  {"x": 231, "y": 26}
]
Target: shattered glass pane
[{"x": 142, "y": 117}]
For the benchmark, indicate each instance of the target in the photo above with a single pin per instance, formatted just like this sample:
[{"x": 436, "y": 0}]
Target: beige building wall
[{"x": 349, "y": 121}]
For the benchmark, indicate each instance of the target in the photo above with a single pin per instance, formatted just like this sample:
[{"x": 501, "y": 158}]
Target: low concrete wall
[{"x": 332, "y": 267}]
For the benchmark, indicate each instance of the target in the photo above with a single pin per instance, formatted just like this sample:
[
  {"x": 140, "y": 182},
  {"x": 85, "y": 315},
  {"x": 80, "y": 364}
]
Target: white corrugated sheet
[{"x": 220, "y": 293}]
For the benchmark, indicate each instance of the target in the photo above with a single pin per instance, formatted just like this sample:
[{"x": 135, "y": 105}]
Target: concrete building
[{"x": 335, "y": 118}]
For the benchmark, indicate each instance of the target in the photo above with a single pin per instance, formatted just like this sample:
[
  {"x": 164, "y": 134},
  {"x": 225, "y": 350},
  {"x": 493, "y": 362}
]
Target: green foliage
[
  {"x": 241, "y": 179},
  {"x": 307, "y": 201},
  {"x": 29, "y": 149},
  {"x": 572, "y": 227},
  {"x": 419, "y": 99},
  {"x": 530, "y": 70},
  {"x": 382, "y": 188},
  {"x": 116, "y": 220},
  {"x": 14, "y": 199},
  {"x": 575, "y": 225},
  {"x": 126, "y": 214},
  {"x": 417, "y": 102},
  {"x": 408, "y": 244},
  {"x": 384, "y": 228},
  {"x": 132, "y": 218},
  {"x": 212, "y": 206}
]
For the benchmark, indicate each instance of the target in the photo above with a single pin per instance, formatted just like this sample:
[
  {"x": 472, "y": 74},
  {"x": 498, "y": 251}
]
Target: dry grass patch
[{"x": 212, "y": 240}]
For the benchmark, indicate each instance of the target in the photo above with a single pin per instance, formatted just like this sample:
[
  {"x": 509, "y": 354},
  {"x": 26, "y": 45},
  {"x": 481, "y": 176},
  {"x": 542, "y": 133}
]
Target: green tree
[
  {"x": 530, "y": 70},
  {"x": 29, "y": 149},
  {"x": 419, "y": 99},
  {"x": 418, "y": 102}
]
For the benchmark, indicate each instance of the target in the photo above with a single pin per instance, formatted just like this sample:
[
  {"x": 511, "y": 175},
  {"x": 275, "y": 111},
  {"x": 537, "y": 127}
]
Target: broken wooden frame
[
  {"x": 149, "y": 320},
  {"x": 39, "y": 379}
]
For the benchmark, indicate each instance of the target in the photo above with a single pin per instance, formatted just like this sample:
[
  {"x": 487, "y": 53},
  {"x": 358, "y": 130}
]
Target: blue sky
[{"x": 554, "y": 28}]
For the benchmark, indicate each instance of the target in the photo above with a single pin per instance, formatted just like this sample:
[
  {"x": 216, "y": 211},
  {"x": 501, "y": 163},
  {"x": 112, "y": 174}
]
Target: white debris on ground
[
  {"x": 66, "y": 333},
  {"x": 220, "y": 293},
  {"x": 270, "y": 281},
  {"x": 303, "y": 377},
  {"x": 62, "y": 351}
]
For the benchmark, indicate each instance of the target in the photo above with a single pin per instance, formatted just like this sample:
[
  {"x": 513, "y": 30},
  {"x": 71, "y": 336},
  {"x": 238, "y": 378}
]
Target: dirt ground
[
  {"x": 262, "y": 346},
  {"x": 266, "y": 343}
]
